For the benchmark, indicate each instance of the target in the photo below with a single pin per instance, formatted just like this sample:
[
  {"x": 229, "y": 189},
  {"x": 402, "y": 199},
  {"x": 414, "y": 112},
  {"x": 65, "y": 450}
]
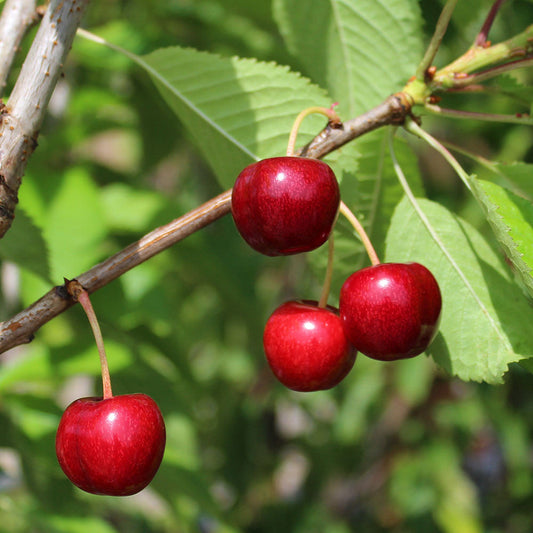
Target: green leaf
[
  {"x": 60, "y": 523},
  {"x": 511, "y": 87},
  {"x": 372, "y": 191},
  {"x": 484, "y": 324},
  {"x": 129, "y": 209},
  {"x": 237, "y": 110},
  {"x": 518, "y": 177},
  {"x": 511, "y": 219},
  {"x": 75, "y": 225},
  {"x": 25, "y": 246},
  {"x": 359, "y": 50}
]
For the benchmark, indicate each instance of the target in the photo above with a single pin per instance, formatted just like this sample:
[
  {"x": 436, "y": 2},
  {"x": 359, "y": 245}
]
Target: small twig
[
  {"x": 18, "y": 16},
  {"x": 485, "y": 58},
  {"x": 481, "y": 39},
  {"x": 492, "y": 72},
  {"x": 393, "y": 110},
  {"x": 22, "y": 327}
]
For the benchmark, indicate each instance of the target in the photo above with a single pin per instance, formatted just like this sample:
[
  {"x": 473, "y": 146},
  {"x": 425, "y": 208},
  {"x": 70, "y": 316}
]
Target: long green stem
[
  {"x": 411, "y": 126},
  {"x": 440, "y": 30},
  {"x": 519, "y": 118},
  {"x": 329, "y": 273},
  {"x": 83, "y": 298},
  {"x": 365, "y": 239}
]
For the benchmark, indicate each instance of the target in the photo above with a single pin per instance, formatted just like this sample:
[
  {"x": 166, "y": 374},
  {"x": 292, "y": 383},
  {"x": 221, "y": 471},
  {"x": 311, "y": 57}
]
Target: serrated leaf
[
  {"x": 25, "y": 246},
  {"x": 518, "y": 177},
  {"x": 486, "y": 319},
  {"x": 237, "y": 110},
  {"x": 359, "y": 50},
  {"x": 511, "y": 219}
]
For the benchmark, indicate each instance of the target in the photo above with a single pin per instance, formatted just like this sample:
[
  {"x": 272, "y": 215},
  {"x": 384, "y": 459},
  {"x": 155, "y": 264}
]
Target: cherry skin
[
  {"x": 111, "y": 446},
  {"x": 285, "y": 205},
  {"x": 306, "y": 347},
  {"x": 391, "y": 310}
]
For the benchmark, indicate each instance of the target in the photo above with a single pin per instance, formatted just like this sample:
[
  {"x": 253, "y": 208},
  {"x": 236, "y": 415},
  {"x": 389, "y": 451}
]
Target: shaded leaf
[
  {"x": 25, "y": 246},
  {"x": 511, "y": 219},
  {"x": 518, "y": 177},
  {"x": 75, "y": 226},
  {"x": 359, "y": 50}
]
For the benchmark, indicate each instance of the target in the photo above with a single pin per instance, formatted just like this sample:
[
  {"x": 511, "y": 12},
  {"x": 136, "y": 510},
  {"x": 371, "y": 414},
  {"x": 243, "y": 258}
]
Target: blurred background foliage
[{"x": 399, "y": 447}]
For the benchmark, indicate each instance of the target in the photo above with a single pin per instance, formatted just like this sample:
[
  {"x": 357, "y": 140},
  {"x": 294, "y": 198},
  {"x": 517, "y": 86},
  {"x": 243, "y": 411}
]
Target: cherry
[
  {"x": 111, "y": 446},
  {"x": 285, "y": 205},
  {"x": 391, "y": 310},
  {"x": 306, "y": 347}
]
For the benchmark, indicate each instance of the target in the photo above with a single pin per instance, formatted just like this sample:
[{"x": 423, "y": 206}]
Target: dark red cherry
[
  {"x": 306, "y": 347},
  {"x": 285, "y": 205},
  {"x": 111, "y": 446},
  {"x": 391, "y": 310}
]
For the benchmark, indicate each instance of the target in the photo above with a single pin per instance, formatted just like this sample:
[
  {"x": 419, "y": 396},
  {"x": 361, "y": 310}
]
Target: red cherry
[
  {"x": 306, "y": 347},
  {"x": 391, "y": 310},
  {"x": 111, "y": 446},
  {"x": 285, "y": 205}
]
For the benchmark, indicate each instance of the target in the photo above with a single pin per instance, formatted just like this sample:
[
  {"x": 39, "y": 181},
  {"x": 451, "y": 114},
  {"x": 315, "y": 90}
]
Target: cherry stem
[
  {"x": 330, "y": 113},
  {"x": 481, "y": 38},
  {"x": 518, "y": 118},
  {"x": 329, "y": 273},
  {"x": 438, "y": 35},
  {"x": 412, "y": 127},
  {"x": 83, "y": 298},
  {"x": 365, "y": 239}
]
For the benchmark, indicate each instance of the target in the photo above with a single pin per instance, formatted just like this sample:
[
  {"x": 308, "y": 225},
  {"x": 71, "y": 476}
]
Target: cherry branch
[
  {"x": 21, "y": 135},
  {"x": 392, "y": 111},
  {"x": 22, "y": 327},
  {"x": 18, "y": 16},
  {"x": 25, "y": 109}
]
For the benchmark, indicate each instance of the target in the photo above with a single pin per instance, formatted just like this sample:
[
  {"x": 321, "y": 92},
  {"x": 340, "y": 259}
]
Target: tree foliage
[{"x": 162, "y": 118}]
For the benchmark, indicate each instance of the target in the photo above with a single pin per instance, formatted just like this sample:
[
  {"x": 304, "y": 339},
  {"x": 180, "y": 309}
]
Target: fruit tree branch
[
  {"x": 21, "y": 134},
  {"x": 21, "y": 328},
  {"x": 24, "y": 112},
  {"x": 17, "y": 17},
  {"x": 392, "y": 110}
]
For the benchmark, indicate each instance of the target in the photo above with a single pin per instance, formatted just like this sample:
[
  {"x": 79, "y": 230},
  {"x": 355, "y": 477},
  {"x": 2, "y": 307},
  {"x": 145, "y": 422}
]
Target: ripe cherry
[
  {"x": 306, "y": 347},
  {"x": 285, "y": 205},
  {"x": 391, "y": 310},
  {"x": 111, "y": 446}
]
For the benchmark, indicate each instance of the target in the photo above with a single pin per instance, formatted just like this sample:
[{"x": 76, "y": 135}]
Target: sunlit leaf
[
  {"x": 484, "y": 323},
  {"x": 237, "y": 110}
]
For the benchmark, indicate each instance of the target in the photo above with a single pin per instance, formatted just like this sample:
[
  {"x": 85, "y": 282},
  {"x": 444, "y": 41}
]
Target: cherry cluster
[{"x": 387, "y": 311}]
